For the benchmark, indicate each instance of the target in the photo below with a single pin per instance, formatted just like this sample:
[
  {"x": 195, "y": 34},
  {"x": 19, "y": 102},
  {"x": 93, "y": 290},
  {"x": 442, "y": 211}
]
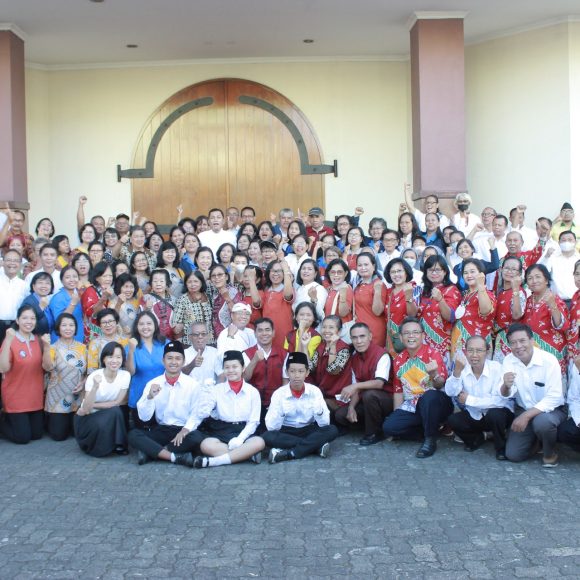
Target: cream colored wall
[
  {"x": 574, "y": 70},
  {"x": 518, "y": 121},
  {"x": 82, "y": 123}
]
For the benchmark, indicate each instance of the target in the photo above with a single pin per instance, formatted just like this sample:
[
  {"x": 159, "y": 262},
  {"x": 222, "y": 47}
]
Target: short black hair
[
  {"x": 519, "y": 327},
  {"x": 109, "y": 350}
]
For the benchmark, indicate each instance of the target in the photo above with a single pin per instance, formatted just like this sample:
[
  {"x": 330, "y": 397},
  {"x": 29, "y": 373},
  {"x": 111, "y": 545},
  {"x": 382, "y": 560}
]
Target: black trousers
[
  {"x": 569, "y": 434},
  {"x": 302, "y": 440},
  {"x": 59, "y": 425},
  {"x": 467, "y": 428},
  {"x": 159, "y": 437},
  {"x": 371, "y": 410},
  {"x": 22, "y": 428},
  {"x": 432, "y": 410}
]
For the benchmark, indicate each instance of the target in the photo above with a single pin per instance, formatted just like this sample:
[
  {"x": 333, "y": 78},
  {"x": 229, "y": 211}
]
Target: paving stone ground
[{"x": 373, "y": 512}]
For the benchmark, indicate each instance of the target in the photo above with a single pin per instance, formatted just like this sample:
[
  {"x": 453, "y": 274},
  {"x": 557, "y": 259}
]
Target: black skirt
[
  {"x": 221, "y": 429},
  {"x": 100, "y": 433}
]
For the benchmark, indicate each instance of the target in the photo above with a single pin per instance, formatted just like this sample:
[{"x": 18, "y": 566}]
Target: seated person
[
  {"x": 230, "y": 415},
  {"x": 237, "y": 336},
  {"x": 370, "y": 397},
  {"x": 474, "y": 382},
  {"x": 534, "y": 378},
  {"x": 99, "y": 425},
  {"x": 569, "y": 430},
  {"x": 173, "y": 398},
  {"x": 421, "y": 404},
  {"x": 202, "y": 362},
  {"x": 298, "y": 420}
]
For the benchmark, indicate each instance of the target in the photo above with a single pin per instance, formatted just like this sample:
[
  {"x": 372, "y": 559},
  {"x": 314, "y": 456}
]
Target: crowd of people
[{"x": 222, "y": 338}]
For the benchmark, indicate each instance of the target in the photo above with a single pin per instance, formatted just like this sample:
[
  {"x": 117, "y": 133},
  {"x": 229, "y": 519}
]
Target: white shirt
[
  {"x": 176, "y": 404},
  {"x": 294, "y": 262},
  {"x": 286, "y": 410},
  {"x": 481, "y": 392},
  {"x": 108, "y": 391},
  {"x": 242, "y": 340},
  {"x": 12, "y": 292},
  {"x": 465, "y": 225},
  {"x": 420, "y": 217},
  {"x": 573, "y": 396},
  {"x": 301, "y": 295},
  {"x": 562, "y": 269},
  {"x": 211, "y": 367},
  {"x": 538, "y": 385},
  {"x": 214, "y": 240},
  {"x": 55, "y": 278},
  {"x": 383, "y": 258},
  {"x": 222, "y": 403}
]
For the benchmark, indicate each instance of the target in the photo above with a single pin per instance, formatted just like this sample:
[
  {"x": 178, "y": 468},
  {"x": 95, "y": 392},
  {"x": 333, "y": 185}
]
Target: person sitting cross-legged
[
  {"x": 298, "y": 420},
  {"x": 421, "y": 404},
  {"x": 229, "y": 418},
  {"x": 474, "y": 382},
  {"x": 569, "y": 430},
  {"x": 173, "y": 398}
]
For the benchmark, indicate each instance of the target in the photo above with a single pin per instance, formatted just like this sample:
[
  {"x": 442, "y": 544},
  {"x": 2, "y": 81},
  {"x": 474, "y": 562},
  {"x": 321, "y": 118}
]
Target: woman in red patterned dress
[
  {"x": 439, "y": 301},
  {"x": 474, "y": 316},
  {"x": 547, "y": 315},
  {"x": 573, "y": 333},
  {"x": 400, "y": 302},
  {"x": 511, "y": 301}
]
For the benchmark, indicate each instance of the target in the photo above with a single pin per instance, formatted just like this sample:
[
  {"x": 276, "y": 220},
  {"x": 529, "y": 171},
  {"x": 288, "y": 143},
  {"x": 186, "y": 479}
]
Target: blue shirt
[
  {"x": 58, "y": 305},
  {"x": 147, "y": 366},
  {"x": 44, "y": 319},
  {"x": 187, "y": 264}
]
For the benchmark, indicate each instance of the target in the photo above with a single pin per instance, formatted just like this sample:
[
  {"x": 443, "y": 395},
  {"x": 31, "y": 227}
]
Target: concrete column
[
  {"x": 13, "y": 181},
  {"x": 438, "y": 105}
]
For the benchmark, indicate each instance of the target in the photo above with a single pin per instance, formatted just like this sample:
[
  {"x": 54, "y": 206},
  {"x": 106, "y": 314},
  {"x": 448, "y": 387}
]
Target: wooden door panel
[{"x": 224, "y": 154}]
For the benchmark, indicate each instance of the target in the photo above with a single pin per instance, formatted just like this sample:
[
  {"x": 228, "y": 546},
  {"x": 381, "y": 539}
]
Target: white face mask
[
  {"x": 411, "y": 262},
  {"x": 567, "y": 246}
]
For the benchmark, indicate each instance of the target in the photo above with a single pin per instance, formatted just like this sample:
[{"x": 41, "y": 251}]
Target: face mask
[
  {"x": 411, "y": 262},
  {"x": 240, "y": 268},
  {"x": 567, "y": 246},
  {"x": 462, "y": 206}
]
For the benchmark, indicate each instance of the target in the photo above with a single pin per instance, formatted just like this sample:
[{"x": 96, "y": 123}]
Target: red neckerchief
[
  {"x": 236, "y": 386},
  {"x": 297, "y": 394},
  {"x": 171, "y": 380}
]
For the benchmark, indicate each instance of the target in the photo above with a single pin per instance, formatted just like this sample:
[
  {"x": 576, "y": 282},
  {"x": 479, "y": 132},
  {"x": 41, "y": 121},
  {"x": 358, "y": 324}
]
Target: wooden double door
[{"x": 226, "y": 153}]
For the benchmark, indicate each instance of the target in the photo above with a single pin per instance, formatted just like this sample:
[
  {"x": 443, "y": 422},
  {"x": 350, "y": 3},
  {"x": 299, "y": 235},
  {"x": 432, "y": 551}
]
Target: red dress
[
  {"x": 256, "y": 312},
  {"x": 88, "y": 300},
  {"x": 573, "y": 333},
  {"x": 363, "y": 303},
  {"x": 279, "y": 310},
  {"x": 549, "y": 338},
  {"x": 331, "y": 379},
  {"x": 395, "y": 313},
  {"x": 503, "y": 319},
  {"x": 437, "y": 329},
  {"x": 332, "y": 303}
]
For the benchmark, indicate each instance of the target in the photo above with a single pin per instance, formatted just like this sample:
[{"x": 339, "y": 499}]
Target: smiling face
[
  {"x": 329, "y": 330},
  {"x": 219, "y": 277},
  {"x": 67, "y": 328},
  {"x": 106, "y": 279},
  {"x": 412, "y": 336},
  {"x": 522, "y": 345},
  {"x": 431, "y": 222},
  {"x": 336, "y": 274},
  {"x": 514, "y": 242},
  {"x": 307, "y": 273},
  {"x": 82, "y": 265},
  {"x": 70, "y": 279},
  {"x": 204, "y": 260},
  {"x": 26, "y": 321},
  {"x": 405, "y": 224},
  {"x": 159, "y": 283},
  {"x": 398, "y": 274},
  {"x": 168, "y": 256},
  {"x": 364, "y": 267},
  {"x": 138, "y": 239},
  {"x": 470, "y": 273},
  {"x": 198, "y": 336},
  {"x": 475, "y": 351},
  {"x": 536, "y": 281},
  {"x": 193, "y": 284},
  {"x": 140, "y": 263},
  {"x": 216, "y": 221},
  {"x": 191, "y": 244},
  {"x": 304, "y": 317},
  {"x": 127, "y": 290},
  {"x": 177, "y": 238},
  {"x": 464, "y": 250},
  {"x": 233, "y": 370},
  {"x": 42, "y": 287},
  {"x": 436, "y": 274},
  {"x": 342, "y": 226},
  {"x": 173, "y": 363},
  {"x": 264, "y": 334},
  {"x": 145, "y": 327},
  {"x": 108, "y": 325},
  {"x": 45, "y": 229}
]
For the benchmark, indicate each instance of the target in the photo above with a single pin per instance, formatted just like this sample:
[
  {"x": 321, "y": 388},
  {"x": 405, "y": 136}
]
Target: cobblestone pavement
[{"x": 362, "y": 513}]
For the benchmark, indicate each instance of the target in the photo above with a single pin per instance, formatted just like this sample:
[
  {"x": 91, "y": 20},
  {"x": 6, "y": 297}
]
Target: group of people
[{"x": 224, "y": 337}]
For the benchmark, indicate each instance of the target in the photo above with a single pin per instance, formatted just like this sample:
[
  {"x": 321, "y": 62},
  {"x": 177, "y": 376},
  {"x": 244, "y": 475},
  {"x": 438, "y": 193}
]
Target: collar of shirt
[
  {"x": 485, "y": 373},
  {"x": 307, "y": 392}
]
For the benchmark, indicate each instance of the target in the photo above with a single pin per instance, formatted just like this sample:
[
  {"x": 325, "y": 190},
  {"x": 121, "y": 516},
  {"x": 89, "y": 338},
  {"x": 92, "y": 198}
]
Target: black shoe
[
  {"x": 120, "y": 450},
  {"x": 500, "y": 455},
  {"x": 185, "y": 459},
  {"x": 200, "y": 462},
  {"x": 143, "y": 458},
  {"x": 278, "y": 455},
  {"x": 371, "y": 439},
  {"x": 476, "y": 443},
  {"x": 428, "y": 448}
]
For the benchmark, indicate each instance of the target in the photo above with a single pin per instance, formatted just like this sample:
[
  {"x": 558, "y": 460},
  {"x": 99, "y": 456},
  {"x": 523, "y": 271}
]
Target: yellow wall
[
  {"x": 518, "y": 121},
  {"x": 82, "y": 123}
]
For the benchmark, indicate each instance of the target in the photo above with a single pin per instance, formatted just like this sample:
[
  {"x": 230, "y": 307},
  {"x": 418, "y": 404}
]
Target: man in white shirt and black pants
[
  {"x": 474, "y": 383},
  {"x": 173, "y": 398},
  {"x": 534, "y": 378},
  {"x": 569, "y": 430},
  {"x": 298, "y": 419}
]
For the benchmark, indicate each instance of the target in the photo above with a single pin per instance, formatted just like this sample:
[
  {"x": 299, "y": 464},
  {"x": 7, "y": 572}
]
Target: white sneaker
[{"x": 324, "y": 450}]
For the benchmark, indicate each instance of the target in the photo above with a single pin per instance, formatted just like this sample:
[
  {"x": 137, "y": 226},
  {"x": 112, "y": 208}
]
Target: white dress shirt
[
  {"x": 286, "y": 410},
  {"x": 321, "y": 296},
  {"x": 383, "y": 258},
  {"x": 481, "y": 392},
  {"x": 211, "y": 367},
  {"x": 242, "y": 340},
  {"x": 176, "y": 404},
  {"x": 573, "y": 396},
  {"x": 213, "y": 240},
  {"x": 420, "y": 217},
  {"x": 465, "y": 225},
  {"x": 538, "y": 385},
  {"x": 13, "y": 292},
  {"x": 294, "y": 262},
  {"x": 562, "y": 269},
  {"x": 222, "y": 403}
]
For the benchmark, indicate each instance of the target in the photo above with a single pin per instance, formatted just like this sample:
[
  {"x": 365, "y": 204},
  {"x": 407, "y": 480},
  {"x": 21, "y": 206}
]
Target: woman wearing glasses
[{"x": 222, "y": 297}]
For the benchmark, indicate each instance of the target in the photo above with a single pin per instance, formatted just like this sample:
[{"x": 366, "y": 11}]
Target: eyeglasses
[
  {"x": 488, "y": 214},
  {"x": 476, "y": 350},
  {"x": 108, "y": 322},
  {"x": 221, "y": 275},
  {"x": 506, "y": 269},
  {"x": 436, "y": 270}
]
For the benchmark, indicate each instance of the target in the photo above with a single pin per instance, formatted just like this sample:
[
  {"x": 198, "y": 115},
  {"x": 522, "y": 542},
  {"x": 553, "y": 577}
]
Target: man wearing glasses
[
  {"x": 474, "y": 383},
  {"x": 421, "y": 405},
  {"x": 202, "y": 362}
]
